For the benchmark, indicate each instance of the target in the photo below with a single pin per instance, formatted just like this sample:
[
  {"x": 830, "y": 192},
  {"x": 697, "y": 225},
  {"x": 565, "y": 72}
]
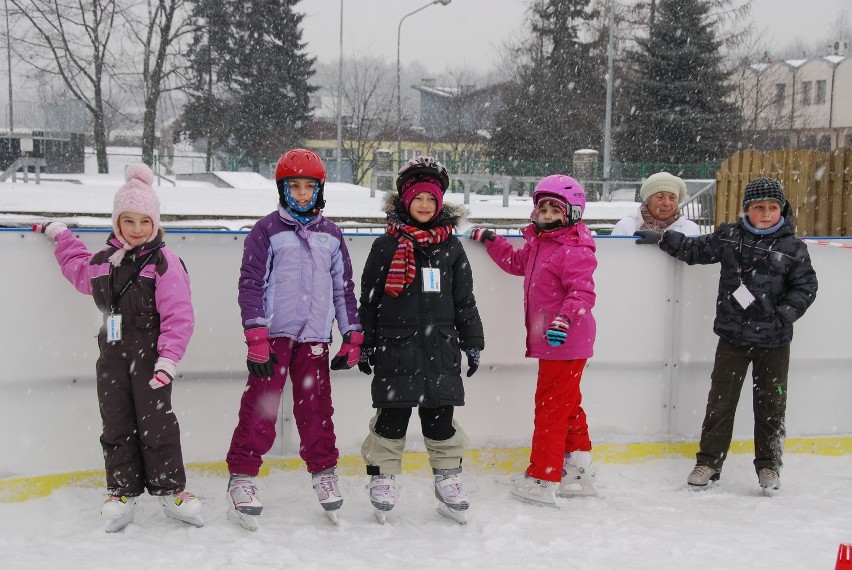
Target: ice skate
[
  {"x": 117, "y": 512},
  {"x": 243, "y": 504},
  {"x": 382, "y": 490},
  {"x": 450, "y": 493},
  {"x": 184, "y": 507},
  {"x": 326, "y": 486},
  {"x": 769, "y": 481},
  {"x": 578, "y": 476},
  {"x": 535, "y": 491},
  {"x": 702, "y": 477}
]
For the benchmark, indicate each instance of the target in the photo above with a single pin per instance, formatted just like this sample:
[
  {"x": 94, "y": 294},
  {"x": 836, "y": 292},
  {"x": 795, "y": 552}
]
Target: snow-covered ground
[{"x": 645, "y": 521}]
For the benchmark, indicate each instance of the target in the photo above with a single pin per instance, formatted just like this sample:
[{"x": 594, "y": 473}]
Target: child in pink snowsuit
[
  {"x": 557, "y": 262},
  {"x": 142, "y": 289}
]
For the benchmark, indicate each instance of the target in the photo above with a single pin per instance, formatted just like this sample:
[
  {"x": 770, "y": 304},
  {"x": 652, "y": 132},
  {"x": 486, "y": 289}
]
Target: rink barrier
[{"x": 504, "y": 461}]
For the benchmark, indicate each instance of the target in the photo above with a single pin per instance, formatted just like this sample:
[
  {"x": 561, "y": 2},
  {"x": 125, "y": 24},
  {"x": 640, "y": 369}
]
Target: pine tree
[
  {"x": 211, "y": 61},
  {"x": 270, "y": 79},
  {"x": 676, "y": 97},
  {"x": 555, "y": 104}
]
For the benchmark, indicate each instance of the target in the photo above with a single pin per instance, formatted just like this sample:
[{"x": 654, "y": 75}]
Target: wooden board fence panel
[{"x": 818, "y": 186}]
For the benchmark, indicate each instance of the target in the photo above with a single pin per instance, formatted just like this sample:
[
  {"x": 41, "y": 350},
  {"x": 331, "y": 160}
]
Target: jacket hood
[{"x": 450, "y": 214}]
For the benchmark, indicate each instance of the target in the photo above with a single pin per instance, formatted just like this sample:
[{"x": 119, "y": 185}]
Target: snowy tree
[
  {"x": 210, "y": 56},
  {"x": 676, "y": 98},
  {"x": 555, "y": 102},
  {"x": 270, "y": 83},
  {"x": 74, "y": 43}
]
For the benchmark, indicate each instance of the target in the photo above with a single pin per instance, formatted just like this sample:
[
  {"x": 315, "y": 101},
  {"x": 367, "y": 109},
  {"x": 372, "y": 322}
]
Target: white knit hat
[
  {"x": 138, "y": 196},
  {"x": 663, "y": 182}
]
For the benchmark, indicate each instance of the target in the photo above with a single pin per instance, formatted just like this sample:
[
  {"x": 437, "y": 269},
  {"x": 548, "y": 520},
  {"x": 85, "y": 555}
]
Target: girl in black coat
[
  {"x": 418, "y": 313},
  {"x": 766, "y": 283}
]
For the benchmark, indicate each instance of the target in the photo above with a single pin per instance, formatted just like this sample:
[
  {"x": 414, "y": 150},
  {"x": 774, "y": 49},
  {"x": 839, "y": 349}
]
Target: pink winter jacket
[{"x": 557, "y": 267}]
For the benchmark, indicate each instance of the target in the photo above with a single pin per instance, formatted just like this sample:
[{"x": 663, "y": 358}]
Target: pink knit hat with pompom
[{"x": 135, "y": 196}]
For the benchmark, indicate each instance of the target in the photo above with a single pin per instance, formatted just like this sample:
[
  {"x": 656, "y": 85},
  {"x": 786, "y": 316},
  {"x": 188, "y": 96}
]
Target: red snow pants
[{"x": 560, "y": 422}]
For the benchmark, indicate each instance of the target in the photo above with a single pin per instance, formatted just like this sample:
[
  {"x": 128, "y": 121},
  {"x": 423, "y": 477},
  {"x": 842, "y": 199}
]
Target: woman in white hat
[{"x": 661, "y": 194}]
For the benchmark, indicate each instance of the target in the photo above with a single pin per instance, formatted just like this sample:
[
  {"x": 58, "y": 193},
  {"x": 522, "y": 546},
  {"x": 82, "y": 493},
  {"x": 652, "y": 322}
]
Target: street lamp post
[{"x": 398, "y": 80}]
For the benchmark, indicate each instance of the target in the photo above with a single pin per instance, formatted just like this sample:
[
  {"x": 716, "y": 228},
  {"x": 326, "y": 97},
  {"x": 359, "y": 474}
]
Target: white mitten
[
  {"x": 164, "y": 372},
  {"x": 50, "y": 229}
]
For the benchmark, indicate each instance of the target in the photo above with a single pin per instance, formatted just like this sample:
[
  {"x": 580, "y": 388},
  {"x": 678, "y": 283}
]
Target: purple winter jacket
[
  {"x": 296, "y": 279},
  {"x": 557, "y": 267}
]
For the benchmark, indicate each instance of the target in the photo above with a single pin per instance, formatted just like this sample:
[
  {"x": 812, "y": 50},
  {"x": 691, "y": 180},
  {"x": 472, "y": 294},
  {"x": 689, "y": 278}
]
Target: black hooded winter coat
[
  {"x": 418, "y": 336},
  {"x": 776, "y": 269}
]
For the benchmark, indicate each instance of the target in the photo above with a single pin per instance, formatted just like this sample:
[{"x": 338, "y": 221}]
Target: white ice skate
[
  {"x": 578, "y": 476},
  {"x": 327, "y": 488},
  {"x": 450, "y": 492},
  {"x": 117, "y": 512},
  {"x": 243, "y": 504},
  {"x": 769, "y": 481},
  {"x": 184, "y": 507},
  {"x": 535, "y": 491},
  {"x": 382, "y": 490}
]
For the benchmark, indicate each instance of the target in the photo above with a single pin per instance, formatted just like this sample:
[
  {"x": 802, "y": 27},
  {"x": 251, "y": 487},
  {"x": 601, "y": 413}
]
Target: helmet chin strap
[{"x": 549, "y": 226}]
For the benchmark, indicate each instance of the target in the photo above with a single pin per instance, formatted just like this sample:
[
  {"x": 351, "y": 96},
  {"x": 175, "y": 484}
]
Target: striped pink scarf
[{"x": 403, "y": 267}]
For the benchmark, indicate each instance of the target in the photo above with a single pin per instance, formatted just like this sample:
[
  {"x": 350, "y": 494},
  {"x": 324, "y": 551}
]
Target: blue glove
[
  {"x": 365, "y": 361},
  {"x": 472, "y": 361},
  {"x": 558, "y": 331}
]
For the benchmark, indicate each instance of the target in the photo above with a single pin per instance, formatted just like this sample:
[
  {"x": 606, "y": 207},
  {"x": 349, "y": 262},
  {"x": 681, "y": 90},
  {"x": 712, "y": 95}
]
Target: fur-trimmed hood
[{"x": 450, "y": 214}]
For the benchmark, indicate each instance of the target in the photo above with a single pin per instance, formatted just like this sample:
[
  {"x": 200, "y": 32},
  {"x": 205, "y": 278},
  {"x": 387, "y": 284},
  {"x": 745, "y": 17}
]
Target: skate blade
[
  {"x": 119, "y": 523},
  {"x": 332, "y": 516},
  {"x": 248, "y": 522},
  {"x": 699, "y": 488},
  {"x": 582, "y": 492},
  {"x": 535, "y": 502},
  {"x": 457, "y": 516},
  {"x": 381, "y": 516},
  {"x": 769, "y": 491},
  {"x": 195, "y": 521}
]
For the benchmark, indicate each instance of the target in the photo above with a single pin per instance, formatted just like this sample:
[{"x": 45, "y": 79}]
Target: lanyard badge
[
  {"x": 113, "y": 328},
  {"x": 431, "y": 280}
]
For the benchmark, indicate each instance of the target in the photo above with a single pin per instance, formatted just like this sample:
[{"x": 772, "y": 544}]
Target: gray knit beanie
[{"x": 763, "y": 189}]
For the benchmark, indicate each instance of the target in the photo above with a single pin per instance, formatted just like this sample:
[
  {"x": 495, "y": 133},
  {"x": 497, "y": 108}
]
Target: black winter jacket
[
  {"x": 776, "y": 269},
  {"x": 418, "y": 336}
]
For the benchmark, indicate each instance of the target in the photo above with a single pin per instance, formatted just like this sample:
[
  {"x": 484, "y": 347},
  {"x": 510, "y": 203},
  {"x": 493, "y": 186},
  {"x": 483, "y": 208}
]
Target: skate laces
[
  {"x": 327, "y": 483},
  {"x": 182, "y": 497},
  {"x": 451, "y": 487},
  {"x": 381, "y": 486},
  {"x": 244, "y": 484}
]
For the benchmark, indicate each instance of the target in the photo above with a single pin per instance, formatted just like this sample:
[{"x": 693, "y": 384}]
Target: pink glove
[
  {"x": 50, "y": 229},
  {"x": 260, "y": 357},
  {"x": 350, "y": 351},
  {"x": 164, "y": 372}
]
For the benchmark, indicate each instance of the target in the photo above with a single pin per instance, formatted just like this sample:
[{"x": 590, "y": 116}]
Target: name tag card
[
  {"x": 431, "y": 280},
  {"x": 743, "y": 296},
  {"x": 113, "y": 328}
]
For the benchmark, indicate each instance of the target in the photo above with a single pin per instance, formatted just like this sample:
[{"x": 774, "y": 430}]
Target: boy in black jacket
[{"x": 765, "y": 285}]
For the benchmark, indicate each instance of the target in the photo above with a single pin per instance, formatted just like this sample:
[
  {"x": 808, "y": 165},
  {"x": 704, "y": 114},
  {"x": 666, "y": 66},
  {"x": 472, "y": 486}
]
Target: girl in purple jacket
[
  {"x": 295, "y": 279},
  {"x": 557, "y": 262},
  {"x": 142, "y": 289}
]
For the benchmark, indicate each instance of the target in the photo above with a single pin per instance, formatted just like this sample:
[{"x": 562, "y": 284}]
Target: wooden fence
[{"x": 818, "y": 186}]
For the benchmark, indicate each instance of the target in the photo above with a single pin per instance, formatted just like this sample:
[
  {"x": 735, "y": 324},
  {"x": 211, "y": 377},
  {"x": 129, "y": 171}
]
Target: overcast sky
[{"x": 469, "y": 33}]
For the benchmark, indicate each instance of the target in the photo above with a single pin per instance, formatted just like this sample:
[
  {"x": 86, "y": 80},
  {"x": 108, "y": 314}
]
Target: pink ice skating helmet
[{"x": 565, "y": 192}]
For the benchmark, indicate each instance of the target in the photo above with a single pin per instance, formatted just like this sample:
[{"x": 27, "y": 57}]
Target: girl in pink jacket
[
  {"x": 142, "y": 289},
  {"x": 557, "y": 262}
]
